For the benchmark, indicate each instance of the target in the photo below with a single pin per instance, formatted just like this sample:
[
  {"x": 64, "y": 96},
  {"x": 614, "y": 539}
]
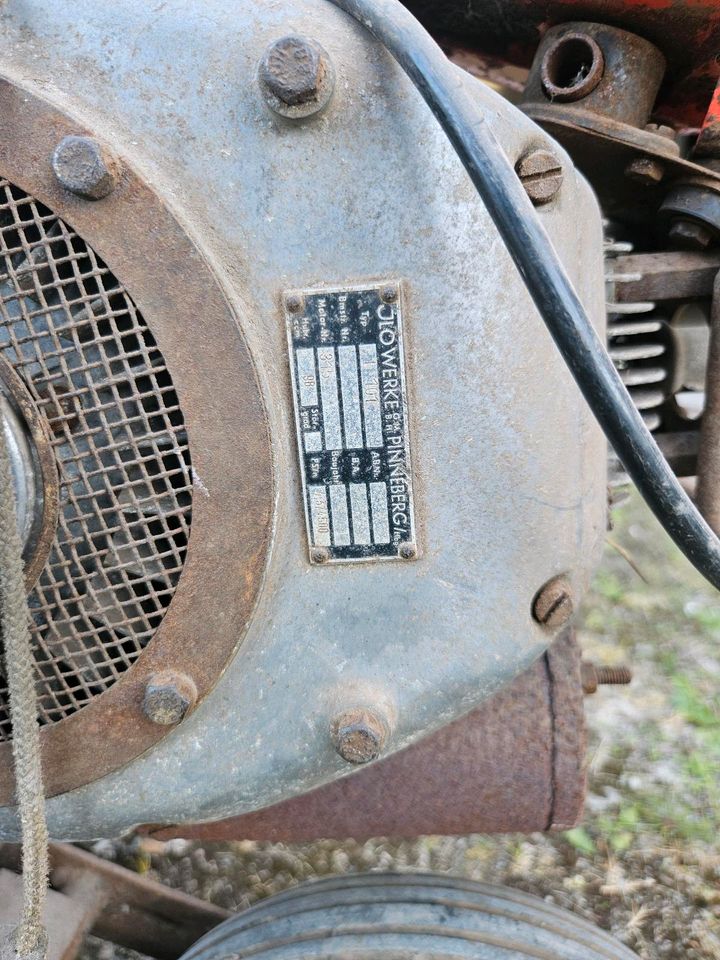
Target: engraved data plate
[{"x": 348, "y": 373}]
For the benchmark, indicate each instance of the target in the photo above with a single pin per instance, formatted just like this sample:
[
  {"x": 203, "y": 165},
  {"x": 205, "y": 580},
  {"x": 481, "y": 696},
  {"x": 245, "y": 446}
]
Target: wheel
[{"x": 406, "y": 916}]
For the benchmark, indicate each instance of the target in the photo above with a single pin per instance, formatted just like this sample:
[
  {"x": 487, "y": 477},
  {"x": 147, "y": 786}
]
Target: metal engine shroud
[{"x": 222, "y": 208}]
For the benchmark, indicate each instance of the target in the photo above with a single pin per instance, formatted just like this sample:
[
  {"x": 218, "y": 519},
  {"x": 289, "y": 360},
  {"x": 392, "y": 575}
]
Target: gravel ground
[{"x": 646, "y": 862}]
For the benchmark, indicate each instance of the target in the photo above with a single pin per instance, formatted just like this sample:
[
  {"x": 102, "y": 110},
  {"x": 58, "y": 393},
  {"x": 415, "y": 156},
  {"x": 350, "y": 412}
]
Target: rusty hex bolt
[
  {"x": 690, "y": 234},
  {"x": 85, "y": 167},
  {"x": 359, "y": 735},
  {"x": 541, "y": 174},
  {"x": 593, "y": 676},
  {"x": 297, "y": 76},
  {"x": 553, "y": 605},
  {"x": 168, "y": 697},
  {"x": 646, "y": 171}
]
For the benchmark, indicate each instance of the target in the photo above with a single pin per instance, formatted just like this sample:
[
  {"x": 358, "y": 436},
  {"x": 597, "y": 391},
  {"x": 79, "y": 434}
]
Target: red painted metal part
[
  {"x": 708, "y": 143},
  {"x": 687, "y": 32},
  {"x": 516, "y": 764}
]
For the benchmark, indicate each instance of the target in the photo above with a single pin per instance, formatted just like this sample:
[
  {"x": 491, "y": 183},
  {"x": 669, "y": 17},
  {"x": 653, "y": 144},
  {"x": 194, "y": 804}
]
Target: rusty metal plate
[{"x": 147, "y": 301}]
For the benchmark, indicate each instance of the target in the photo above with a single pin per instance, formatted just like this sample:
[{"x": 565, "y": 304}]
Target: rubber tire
[{"x": 382, "y": 916}]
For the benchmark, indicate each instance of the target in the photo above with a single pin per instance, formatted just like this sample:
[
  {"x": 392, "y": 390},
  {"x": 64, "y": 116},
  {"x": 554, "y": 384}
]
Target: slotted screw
[{"x": 541, "y": 174}]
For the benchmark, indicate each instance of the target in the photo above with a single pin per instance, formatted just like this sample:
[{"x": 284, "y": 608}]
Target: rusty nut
[
  {"x": 553, "y": 604},
  {"x": 85, "y": 167},
  {"x": 359, "y": 735},
  {"x": 296, "y": 76},
  {"x": 168, "y": 698}
]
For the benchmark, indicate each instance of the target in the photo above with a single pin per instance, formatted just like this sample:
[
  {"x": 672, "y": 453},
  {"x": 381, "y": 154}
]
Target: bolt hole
[{"x": 572, "y": 67}]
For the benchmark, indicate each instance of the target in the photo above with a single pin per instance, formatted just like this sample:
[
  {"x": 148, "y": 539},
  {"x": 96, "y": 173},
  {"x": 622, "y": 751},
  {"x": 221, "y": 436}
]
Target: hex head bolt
[
  {"x": 359, "y": 735},
  {"x": 168, "y": 698},
  {"x": 553, "y": 605},
  {"x": 296, "y": 76},
  {"x": 690, "y": 234},
  {"x": 85, "y": 167},
  {"x": 541, "y": 174}
]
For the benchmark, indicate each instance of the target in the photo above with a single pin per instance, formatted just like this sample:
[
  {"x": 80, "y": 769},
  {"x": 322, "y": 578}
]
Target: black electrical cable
[{"x": 442, "y": 87}]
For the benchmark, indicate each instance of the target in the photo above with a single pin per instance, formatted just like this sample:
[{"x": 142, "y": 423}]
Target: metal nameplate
[{"x": 351, "y": 410}]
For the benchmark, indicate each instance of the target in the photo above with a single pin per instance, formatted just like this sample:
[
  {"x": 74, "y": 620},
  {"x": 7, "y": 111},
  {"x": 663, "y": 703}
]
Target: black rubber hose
[{"x": 442, "y": 87}]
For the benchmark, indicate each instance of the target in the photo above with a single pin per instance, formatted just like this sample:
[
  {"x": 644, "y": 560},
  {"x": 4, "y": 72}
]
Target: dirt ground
[{"x": 645, "y": 864}]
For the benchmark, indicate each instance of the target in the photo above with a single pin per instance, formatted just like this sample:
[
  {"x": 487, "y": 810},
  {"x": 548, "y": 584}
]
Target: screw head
[
  {"x": 359, "y": 735},
  {"x": 389, "y": 294},
  {"x": 553, "y": 604},
  {"x": 646, "y": 171},
  {"x": 168, "y": 698},
  {"x": 407, "y": 551},
  {"x": 293, "y": 303},
  {"x": 296, "y": 76},
  {"x": 85, "y": 167},
  {"x": 541, "y": 174},
  {"x": 319, "y": 555}
]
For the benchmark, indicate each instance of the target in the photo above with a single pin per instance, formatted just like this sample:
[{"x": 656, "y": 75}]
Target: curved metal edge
[
  {"x": 189, "y": 315},
  {"x": 43, "y": 538}
]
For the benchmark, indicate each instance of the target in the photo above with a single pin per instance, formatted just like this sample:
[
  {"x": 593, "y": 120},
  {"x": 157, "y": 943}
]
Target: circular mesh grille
[{"x": 91, "y": 365}]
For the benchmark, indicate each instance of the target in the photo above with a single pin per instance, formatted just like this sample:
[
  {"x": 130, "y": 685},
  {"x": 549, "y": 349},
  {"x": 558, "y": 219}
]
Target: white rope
[{"x": 30, "y": 938}]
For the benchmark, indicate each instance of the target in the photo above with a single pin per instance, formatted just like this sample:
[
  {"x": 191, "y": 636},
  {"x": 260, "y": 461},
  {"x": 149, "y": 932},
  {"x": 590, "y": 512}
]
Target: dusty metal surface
[
  {"x": 96, "y": 734},
  {"x": 91, "y": 895},
  {"x": 517, "y": 763},
  {"x": 708, "y": 463},
  {"x": 291, "y": 205},
  {"x": 685, "y": 32}
]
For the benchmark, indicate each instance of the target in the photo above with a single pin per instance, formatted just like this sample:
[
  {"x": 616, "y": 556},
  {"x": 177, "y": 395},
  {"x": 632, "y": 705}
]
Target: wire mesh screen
[{"x": 93, "y": 370}]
